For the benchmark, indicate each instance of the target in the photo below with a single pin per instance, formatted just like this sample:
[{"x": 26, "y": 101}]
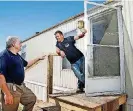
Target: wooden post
[{"x": 50, "y": 75}]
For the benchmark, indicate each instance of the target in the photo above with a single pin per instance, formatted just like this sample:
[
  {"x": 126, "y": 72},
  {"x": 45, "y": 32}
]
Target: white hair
[{"x": 10, "y": 41}]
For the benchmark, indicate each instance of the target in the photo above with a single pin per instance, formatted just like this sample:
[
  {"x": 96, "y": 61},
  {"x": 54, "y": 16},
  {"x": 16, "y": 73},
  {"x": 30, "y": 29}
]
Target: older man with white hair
[{"x": 12, "y": 76}]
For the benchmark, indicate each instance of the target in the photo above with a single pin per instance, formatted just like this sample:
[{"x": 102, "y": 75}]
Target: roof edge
[{"x": 67, "y": 20}]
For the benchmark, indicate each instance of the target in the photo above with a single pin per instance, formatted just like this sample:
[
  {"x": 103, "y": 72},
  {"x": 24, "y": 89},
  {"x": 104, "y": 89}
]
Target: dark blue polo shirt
[
  {"x": 12, "y": 67},
  {"x": 68, "y": 46}
]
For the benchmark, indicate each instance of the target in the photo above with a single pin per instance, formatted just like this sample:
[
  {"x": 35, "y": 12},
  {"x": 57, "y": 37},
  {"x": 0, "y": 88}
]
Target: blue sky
[{"x": 25, "y": 18}]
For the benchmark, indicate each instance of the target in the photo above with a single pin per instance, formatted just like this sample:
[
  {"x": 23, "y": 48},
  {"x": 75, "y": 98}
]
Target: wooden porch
[
  {"x": 80, "y": 102},
  {"x": 70, "y": 101}
]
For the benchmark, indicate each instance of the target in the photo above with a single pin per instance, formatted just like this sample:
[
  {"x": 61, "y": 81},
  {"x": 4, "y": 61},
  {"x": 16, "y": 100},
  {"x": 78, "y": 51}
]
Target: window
[
  {"x": 105, "y": 59},
  {"x": 65, "y": 63},
  {"x": 105, "y": 29},
  {"x": 23, "y": 52}
]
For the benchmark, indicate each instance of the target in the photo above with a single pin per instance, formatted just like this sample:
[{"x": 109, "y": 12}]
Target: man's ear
[{"x": 12, "y": 45}]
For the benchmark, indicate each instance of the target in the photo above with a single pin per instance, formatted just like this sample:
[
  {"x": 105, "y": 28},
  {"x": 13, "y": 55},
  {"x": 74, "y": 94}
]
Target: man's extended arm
[{"x": 80, "y": 35}]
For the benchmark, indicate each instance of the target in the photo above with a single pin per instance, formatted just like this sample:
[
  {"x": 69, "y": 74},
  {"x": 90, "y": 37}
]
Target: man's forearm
[
  {"x": 3, "y": 85},
  {"x": 81, "y": 35},
  {"x": 30, "y": 63}
]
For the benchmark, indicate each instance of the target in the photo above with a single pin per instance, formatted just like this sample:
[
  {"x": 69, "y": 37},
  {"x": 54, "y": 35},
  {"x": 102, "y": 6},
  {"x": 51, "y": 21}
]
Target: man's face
[
  {"x": 17, "y": 45},
  {"x": 59, "y": 37}
]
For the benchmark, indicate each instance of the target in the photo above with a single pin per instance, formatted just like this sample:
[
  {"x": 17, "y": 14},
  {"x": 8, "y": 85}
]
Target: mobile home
[{"x": 108, "y": 48}]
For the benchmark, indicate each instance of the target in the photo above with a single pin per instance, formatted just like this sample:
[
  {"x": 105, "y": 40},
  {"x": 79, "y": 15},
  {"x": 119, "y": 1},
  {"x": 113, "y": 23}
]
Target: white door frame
[
  {"x": 121, "y": 44},
  {"x": 121, "y": 40}
]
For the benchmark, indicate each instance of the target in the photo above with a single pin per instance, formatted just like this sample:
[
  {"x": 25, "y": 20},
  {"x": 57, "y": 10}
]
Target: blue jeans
[{"x": 79, "y": 70}]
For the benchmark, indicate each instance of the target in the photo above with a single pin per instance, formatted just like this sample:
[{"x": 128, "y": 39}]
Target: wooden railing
[
  {"x": 50, "y": 74},
  {"x": 56, "y": 78}
]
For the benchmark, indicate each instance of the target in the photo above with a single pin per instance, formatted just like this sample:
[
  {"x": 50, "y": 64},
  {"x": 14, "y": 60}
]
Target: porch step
[
  {"x": 41, "y": 106},
  {"x": 51, "y": 108}
]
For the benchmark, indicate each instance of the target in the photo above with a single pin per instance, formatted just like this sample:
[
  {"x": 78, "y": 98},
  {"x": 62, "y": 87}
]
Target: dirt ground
[
  {"x": 40, "y": 106},
  {"x": 37, "y": 107}
]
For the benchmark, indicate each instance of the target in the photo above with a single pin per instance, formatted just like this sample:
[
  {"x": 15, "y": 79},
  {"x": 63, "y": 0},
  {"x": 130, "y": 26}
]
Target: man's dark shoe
[{"x": 80, "y": 90}]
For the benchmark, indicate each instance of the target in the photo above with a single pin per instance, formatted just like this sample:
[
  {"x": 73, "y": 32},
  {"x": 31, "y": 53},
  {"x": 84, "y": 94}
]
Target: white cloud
[{"x": 2, "y": 48}]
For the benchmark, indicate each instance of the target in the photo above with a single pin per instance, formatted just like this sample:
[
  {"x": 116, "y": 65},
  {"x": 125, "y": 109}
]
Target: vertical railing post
[{"x": 50, "y": 75}]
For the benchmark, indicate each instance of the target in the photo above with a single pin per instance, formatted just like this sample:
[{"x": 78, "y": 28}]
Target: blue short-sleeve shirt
[
  {"x": 68, "y": 46},
  {"x": 12, "y": 67}
]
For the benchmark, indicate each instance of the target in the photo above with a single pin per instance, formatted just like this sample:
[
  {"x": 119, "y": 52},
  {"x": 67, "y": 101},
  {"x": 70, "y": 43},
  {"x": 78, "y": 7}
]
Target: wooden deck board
[{"x": 99, "y": 103}]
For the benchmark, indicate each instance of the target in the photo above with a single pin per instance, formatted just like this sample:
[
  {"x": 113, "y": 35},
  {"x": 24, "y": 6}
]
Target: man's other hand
[
  {"x": 62, "y": 54},
  {"x": 8, "y": 98}
]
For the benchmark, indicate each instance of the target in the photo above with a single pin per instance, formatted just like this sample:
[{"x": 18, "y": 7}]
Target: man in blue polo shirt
[
  {"x": 65, "y": 47},
  {"x": 12, "y": 76}
]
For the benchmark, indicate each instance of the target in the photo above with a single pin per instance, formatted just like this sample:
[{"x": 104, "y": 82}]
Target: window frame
[{"x": 23, "y": 51}]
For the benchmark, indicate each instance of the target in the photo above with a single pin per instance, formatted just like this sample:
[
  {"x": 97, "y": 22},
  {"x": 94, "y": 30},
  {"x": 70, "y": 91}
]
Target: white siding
[
  {"x": 41, "y": 44},
  {"x": 129, "y": 105},
  {"x": 36, "y": 80},
  {"x": 128, "y": 18},
  {"x": 63, "y": 78},
  {"x": 37, "y": 73},
  {"x": 40, "y": 90},
  {"x": 128, "y": 44}
]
